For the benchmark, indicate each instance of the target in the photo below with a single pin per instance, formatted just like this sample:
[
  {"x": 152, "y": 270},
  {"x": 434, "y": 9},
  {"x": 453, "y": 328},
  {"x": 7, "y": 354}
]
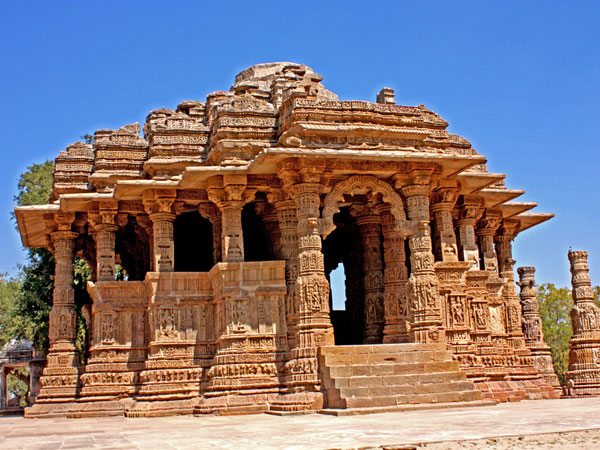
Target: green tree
[
  {"x": 35, "y": 184},
  {"x": 9, "y": 291},
  {"x": 555, "y": 304}
]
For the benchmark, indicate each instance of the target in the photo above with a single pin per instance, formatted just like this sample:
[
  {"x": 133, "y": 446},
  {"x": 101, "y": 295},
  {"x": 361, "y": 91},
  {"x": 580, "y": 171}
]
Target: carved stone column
[
  {"x": 506, "y": 234},
  {"x": 312, "y": 288},
  {"x": 159, "y": 206},
  {"x": 485, "y": 232},
  {"x": 446, "y": 247},
  {"x": 230, "y": 194},
  {"x": 395, "y": 277},
  {"x": 532, "y": 327},
  {"x": 288, "y": 228},
  {"x": 146, "y": 224},
  {"x": 426, "y": 308},
  {"x": 271, "y": 221},
  {"x": 103, "y": 222},
  {"x": 61, "y": 375},
  {"x": 369, "y": 224},
  {"x": 468, "y": 213},
  {"x": 583, "y": 376},
  {"x": 213, "y": 214}
]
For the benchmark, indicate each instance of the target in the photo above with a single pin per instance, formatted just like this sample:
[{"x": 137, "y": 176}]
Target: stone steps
[{"x": 366, "y": 378}]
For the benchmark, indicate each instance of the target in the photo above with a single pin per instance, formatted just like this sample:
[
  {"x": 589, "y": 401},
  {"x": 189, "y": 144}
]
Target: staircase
[{"x": 361, "y": 379}]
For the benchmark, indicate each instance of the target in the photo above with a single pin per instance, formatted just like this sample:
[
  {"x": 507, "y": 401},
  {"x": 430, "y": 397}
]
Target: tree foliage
[
  {"x": 35, "y": 184},
  {"x": 9, "y": 291},
  {"x": 555, "y": 304}
]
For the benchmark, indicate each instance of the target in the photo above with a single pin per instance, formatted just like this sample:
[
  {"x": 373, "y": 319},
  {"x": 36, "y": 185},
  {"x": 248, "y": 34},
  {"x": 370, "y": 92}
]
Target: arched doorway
[{"x": 342, "y": 249}]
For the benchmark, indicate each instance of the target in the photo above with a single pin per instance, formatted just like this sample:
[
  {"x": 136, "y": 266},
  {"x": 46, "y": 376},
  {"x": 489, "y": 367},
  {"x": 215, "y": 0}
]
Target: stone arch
[{"x": 360, "y": 183}]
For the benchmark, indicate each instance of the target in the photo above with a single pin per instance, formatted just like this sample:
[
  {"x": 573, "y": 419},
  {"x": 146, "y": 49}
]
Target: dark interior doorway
[
  {"x": 193, "y": 239},
  {"x": 257, "y": 245}
]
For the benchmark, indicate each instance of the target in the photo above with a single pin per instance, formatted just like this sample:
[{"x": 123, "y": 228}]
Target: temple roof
[{"x": 272, "y": 112}]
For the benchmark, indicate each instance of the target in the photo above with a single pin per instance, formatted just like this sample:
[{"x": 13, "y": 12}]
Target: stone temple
[{"x": 228, "y": 217}]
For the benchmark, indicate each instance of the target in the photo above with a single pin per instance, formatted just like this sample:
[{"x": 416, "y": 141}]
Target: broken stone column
[
  {"x": 583, "y": 375},
  {"x": 532, "y": 327}
]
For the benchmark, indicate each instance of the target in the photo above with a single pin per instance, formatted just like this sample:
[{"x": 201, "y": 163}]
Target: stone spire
[
  {"x": 532, "y": 326},
  {"x": 583, "y": 376}
]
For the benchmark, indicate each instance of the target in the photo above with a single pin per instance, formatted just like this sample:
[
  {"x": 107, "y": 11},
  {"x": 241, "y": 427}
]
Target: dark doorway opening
[
  {"x": 192, "y": 235},
  {"x": 256, "y": 240}
]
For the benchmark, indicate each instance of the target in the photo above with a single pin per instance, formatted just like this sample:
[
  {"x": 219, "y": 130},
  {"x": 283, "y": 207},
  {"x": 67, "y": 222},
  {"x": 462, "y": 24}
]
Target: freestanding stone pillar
[
  {"x": 583, "y": 375},
  {"x": 61, "y": 376},
  {"x": 532, "y": 327},
  {"x": 426, "y": 308}
]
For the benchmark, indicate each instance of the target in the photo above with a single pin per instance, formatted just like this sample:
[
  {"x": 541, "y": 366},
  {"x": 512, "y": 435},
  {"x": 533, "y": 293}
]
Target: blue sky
[{"x": 517, "y": 79}]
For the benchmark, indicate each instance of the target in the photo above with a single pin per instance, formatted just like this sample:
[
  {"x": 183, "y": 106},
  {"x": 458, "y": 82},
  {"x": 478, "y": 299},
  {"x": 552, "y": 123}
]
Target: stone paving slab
[{"x": 311, "y": 431}]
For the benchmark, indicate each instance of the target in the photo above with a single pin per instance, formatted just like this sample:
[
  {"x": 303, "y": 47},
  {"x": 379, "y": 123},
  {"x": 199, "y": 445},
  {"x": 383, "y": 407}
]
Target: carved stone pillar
[
  {"x": 395, "y": 277},
  {"x": 103, "y": 222},
  {"x": 230, "y": 194},
  {"x": 60, "y": 377},
  {"x": 583, "y": 376},
  {"x": 146, "y": 224},
  {"x": 506, "y": 234},
  {"x": 532, "y": 326},
  {"x": 312, "y": 288},
  {"x": 485, "y": 234},
  {"x": 445, "y": 238},
  {"x": 468, "y": 213},
  {"x": 271, "y": 221},
  {"x": 288, "y": 228},
  {"x": 159, "y": 206},
  {"x": 369, "y": 224},
  {"x": 426, "y": 308},
  {"x": 213, "y": 214}
]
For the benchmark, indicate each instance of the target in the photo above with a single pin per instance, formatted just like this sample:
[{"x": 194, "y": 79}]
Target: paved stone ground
[{"x": 482, "y": 427}]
